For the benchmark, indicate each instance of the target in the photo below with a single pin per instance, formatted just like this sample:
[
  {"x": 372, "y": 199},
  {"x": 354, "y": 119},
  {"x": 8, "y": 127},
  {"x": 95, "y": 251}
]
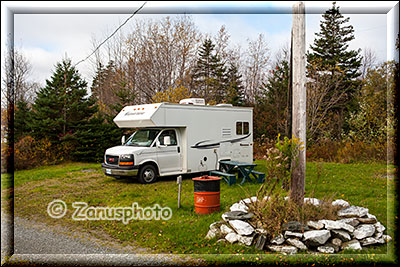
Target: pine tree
[
  {"x": 235, "y": 90},
  {"x": 209, "y": 74},
  {"x": 220, "y": 91},
  {"x": 22, "y": 120},
  {"x": 94, "y": 137},
  {"x": 332, "y": 57},
  {"x": 331, "y": 45},
  {"x": 62, "y": 104},
  {"x": 276, "y": 98}
]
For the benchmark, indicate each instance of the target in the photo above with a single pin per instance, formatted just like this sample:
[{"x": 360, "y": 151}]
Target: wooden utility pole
[{"x": 298, "y": 101}]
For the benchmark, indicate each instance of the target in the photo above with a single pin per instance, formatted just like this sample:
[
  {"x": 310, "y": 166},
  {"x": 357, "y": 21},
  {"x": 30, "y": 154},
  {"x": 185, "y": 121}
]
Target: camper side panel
[{"x": 212, "y": 134}]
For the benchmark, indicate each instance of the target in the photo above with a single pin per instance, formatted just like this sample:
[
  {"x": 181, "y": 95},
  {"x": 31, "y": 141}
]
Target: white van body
[{"x": 199, "y": 136}]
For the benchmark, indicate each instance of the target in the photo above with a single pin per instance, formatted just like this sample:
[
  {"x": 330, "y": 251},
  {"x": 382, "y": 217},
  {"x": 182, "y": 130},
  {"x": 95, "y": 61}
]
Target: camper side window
[
  {"x": 239, "y": 128},
  {"x": 245, "y": 127},
  {"x": 242, "y": 127}
]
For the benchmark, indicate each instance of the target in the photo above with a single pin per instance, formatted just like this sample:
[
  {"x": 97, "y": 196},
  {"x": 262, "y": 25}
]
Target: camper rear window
[{"x": 242, "y": 127}]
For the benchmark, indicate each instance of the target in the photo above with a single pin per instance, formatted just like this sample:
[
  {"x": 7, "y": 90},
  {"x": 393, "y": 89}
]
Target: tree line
[{"x": 169, "y": 59}]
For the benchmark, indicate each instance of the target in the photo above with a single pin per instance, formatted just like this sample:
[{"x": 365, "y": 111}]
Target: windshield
[{"x": 142, "y": 137}]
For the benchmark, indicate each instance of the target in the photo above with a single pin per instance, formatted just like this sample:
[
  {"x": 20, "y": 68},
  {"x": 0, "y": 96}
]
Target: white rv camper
[{"x": 175, "y": 139}]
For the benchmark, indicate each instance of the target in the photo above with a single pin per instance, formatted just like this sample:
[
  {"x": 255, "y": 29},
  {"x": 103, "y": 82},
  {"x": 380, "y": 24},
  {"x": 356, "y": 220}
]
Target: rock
[
  {"x": 222, "y": 240},
  {"x": 226, "y": 229},
  {"x": 368, "y": 241},
  {"x": 261, "y": 231},
  {"x": 353, "y": 244},
  {"x": 343, "y": 235},
  {"x": 313, "y": 201},
  {"x": 297, "y": 243},
  {"x": 316, "y": 225},
  {"x": 236, "y": 215},
  {"x": 293, "y": 234},
  {"x": 363, "y": 231},
  {"x": 267, "y": 198},
  {"x": 330, "y": 225},
  {"x": 232, "y": 237},
  {"x": 380, "y": 240},
  {"x": 278, "y": 240},
  {"x": 284, "y": 249},
  {"x": 341, "y": 203},
  {"x": 248, "y": 200},
  {"x": 241, "y": 227},
  {"x": 368, "y": 219},
  {"x": 294, "y": 226},
  {"x": 326, "y": 249},
  {"x": 215, "y": 226},
  {"x": 260, "y": 242},
  {"x": 239, "y": 207},
  {"x": 246, "y": 240},
  {"x": 212, "y": 233},
  {"x": 316, "y": 237},
  {"x": 379, "y": 227},
  {"x": 353, "y": 211},
  {"x": 336, "y": 243},
  {"x": 352, "y": 221},
  {"x": 378, "y": 235},
  {"x": 387, "y": 238}
]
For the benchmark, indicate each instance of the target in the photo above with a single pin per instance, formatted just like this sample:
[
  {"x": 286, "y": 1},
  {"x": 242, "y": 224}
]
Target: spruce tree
[
  {"x": 209, "y": 74},
  {"x": 332, "y": 43},
  {"x": 275, "y": 98},
  {"x": 94, "y": 137},
  {"x": 235, "y": 90},
  {"x": 220, "y": 91},
  {"x": 22, "y": 120},
  {"x": 62, "y": 104},
  {"x": 330, "y": 53}
]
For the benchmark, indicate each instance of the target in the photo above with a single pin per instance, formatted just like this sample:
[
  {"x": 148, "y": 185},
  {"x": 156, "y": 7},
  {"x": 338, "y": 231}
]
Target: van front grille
[{"x": 112, "y": 160}]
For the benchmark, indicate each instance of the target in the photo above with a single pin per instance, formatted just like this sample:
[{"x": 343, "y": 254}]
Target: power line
[{"x": 120, "y": 26}]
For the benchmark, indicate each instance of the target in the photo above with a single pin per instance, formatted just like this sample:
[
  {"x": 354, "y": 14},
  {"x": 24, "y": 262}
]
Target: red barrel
[{"x": 206, "y": 194}]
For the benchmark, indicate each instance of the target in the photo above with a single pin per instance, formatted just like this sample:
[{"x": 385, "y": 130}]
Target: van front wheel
[{"x": 147, "y": 174}]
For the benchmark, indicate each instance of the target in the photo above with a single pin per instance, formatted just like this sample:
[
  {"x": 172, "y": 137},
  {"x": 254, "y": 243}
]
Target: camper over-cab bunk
[{"x": 173, "y": 139}]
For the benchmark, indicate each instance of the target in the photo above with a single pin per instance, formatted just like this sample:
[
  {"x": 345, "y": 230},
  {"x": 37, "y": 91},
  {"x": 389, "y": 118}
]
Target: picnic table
[{"x": 244, "y": 170}]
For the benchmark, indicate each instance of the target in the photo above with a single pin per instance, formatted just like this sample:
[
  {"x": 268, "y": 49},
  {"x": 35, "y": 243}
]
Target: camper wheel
[{"x": 147, "y": 174}]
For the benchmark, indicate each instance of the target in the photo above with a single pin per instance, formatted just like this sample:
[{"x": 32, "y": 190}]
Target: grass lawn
[{"x": 360, "y": 184}]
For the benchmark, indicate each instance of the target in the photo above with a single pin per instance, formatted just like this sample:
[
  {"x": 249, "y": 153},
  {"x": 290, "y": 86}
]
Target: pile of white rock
[{"x": 354, "y": 229}]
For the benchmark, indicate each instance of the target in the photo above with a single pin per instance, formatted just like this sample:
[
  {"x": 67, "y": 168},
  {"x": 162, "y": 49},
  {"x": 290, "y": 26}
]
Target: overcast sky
[{"x": 46, "y": 39}]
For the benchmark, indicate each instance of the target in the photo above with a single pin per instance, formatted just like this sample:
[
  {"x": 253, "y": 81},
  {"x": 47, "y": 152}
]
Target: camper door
[{"x": 169, "y": 152}]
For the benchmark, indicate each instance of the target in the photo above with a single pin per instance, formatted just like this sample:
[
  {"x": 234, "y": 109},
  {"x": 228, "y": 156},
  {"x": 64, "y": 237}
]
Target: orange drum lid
[{"x": 206, "y": 178}]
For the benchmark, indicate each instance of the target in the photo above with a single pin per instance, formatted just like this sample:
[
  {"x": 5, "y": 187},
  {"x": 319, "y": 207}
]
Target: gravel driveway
[{"x": 38, "y": 243}]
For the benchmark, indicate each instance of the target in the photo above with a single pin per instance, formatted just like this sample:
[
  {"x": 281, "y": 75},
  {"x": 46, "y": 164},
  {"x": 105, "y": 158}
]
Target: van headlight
[{"x": 126, "y": 159}]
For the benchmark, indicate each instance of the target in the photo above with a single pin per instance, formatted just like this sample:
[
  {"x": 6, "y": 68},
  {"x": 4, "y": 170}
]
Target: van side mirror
[
  {"x": 123, "y": 139},
  {"x": 167, "y": 140},
  {"x": 158, "y": 145}
]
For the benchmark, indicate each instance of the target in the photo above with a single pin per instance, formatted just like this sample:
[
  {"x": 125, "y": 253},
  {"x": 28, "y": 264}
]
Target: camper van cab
[{"x": 175, "y": 139}]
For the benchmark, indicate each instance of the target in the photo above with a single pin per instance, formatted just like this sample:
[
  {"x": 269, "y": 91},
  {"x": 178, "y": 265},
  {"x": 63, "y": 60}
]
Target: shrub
[
  {"x": 347, "y": 151},
  {"x": 361, "y": 151},
  {"x": 271, "y": 212},
  {"x": 324, "y": 150},
  {"x": 261, "y": 145},
  {"x": 272, "y": 209},
  {"x": 30, "y": 153}
]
